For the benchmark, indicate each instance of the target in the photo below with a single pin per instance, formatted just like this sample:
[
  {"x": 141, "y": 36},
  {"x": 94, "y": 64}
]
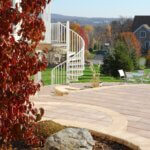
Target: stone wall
[{"x": 56, "y": 56}]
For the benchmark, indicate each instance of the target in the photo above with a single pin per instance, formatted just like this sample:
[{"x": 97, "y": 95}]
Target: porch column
[{"x": 38, "y": 76}]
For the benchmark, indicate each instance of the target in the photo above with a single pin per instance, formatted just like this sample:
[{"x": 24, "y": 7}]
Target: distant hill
[{"x": 82, "y": 20}]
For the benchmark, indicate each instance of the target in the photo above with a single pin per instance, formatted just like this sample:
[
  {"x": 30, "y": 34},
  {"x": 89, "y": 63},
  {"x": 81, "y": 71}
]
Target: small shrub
[
  {"x": 88, "y": 55},
  {"x": 91, "y": 50},
  {"x": 134, "y": 58},
  {"x": 44, "y": 129},
  {"x": 95, "y": 47},
  {"x": 95, "y": 75},
  {"x": 142, "y": 63},
  {"x": 148, "y": 60}
]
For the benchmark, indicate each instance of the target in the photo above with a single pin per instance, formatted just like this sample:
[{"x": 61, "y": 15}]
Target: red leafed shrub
[{"x": 18, "y": 62}]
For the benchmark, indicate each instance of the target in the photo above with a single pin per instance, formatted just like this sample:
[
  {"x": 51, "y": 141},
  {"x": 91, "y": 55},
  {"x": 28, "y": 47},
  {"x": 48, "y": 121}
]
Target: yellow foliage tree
[{"x": 132, "y": 42}]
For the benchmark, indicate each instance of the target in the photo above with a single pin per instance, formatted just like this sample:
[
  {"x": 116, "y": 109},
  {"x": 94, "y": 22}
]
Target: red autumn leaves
[{"x": 18, "y": 62}]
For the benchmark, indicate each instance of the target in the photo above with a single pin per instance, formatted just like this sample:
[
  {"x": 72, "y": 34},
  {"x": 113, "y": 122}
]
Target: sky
[{"x": 101, "y": 8}]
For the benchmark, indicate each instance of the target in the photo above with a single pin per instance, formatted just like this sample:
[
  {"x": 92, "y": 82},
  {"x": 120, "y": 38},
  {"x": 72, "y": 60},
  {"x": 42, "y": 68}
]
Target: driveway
[{"x": 98, "y": 59}]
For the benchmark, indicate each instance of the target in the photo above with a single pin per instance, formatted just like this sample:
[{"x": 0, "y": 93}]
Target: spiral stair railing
[{"x": 71, "y": 69}]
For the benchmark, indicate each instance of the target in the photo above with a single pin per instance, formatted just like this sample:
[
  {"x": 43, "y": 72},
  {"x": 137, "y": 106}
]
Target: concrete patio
[{"x": 111, "y": 109}]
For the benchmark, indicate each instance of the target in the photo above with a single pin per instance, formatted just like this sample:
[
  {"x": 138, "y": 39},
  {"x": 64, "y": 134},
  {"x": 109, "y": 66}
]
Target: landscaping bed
[
  {"x": 106, "y": 144},
  {"x": 47, "y": 128},
  {"x": 101, "y": 142}
]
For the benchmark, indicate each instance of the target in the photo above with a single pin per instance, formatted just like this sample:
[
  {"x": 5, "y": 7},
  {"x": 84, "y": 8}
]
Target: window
[
  {"x": 147, "y": 45},
  {"x": 142, "y": 34}
]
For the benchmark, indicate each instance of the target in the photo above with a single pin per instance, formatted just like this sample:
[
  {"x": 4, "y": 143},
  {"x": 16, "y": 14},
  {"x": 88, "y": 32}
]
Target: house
[
  {"x": 59, "y": 37},
  {"x": 141, "y": 28}
]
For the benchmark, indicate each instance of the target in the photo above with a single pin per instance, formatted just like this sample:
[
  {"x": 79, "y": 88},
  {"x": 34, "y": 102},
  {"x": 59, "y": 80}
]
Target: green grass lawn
[
  {"x": 87, "y": 77},
  {"x": 147, "y": 71},
  {"x": 46, "y": 76}
]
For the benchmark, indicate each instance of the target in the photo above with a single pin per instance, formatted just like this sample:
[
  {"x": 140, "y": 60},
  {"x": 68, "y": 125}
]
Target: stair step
[
  {"x": 74, "y": 80},
  {"x": 75, "y": 59},
  {"x": 59, "y": 45},
  {"x": 75, "y": 68},
  {"x": 71, "y": 54},
  {"x": 73, "y": 75},
  {"x": 75, "y": 65},
  {"x": 75, "y": 71}
]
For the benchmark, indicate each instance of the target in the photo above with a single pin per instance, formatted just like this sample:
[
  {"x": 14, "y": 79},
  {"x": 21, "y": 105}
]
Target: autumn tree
[
  {"x": 80, "y": 30},
  {"x": 99, "y": 33},
  {"x": 109, "y": 31},
  {"x": 132, "y": 42},
  {"x": 89, "y": 29},
  {"x": 19, "y": 61},
  {"x": 103, "y": 34},
  {"x": 107, "y": 35},
  {"x": 133, "y": 46},
  {"x": 121, "y": 25}
]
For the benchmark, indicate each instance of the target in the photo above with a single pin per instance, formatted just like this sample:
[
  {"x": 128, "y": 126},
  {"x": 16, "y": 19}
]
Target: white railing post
[
  {"x": 68, "y": 48},
  {"x": 59, "y": 32},
  {"x": 38, "y": 77},
  {"x": 82, "y": 55}
]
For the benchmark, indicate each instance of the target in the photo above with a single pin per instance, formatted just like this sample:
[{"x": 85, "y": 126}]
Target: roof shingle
[{"x": 141, "y": 20}]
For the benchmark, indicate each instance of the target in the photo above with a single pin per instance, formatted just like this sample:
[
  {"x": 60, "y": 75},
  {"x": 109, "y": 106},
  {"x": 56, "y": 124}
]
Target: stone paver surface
[
  {"x": 133, "y": 101},
  {"x": 78, "y": 113}
]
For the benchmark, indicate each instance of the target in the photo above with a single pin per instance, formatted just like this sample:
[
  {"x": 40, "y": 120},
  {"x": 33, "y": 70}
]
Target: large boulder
[{"x": 70, "y": 139}]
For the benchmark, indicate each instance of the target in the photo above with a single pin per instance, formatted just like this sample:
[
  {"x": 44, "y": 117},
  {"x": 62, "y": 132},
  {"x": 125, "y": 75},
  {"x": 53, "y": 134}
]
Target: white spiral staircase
[{"x": 74, "y": 46}]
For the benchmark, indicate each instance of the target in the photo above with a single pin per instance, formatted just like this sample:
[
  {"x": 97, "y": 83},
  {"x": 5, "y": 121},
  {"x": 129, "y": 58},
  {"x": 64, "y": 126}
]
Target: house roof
[
  {"x": 144, "y": 26},
  {"x": 139, "y": 21}
]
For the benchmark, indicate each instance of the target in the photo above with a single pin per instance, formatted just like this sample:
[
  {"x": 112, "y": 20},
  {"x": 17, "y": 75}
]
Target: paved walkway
[{"x": 91, "y": 107}]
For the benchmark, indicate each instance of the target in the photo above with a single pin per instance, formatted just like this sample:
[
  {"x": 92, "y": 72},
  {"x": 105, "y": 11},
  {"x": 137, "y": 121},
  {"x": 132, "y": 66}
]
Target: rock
[
  {"x": 56, "y": 56},
  {"x": 70, "y": 139},
  {"x": 61, "y": 90}
]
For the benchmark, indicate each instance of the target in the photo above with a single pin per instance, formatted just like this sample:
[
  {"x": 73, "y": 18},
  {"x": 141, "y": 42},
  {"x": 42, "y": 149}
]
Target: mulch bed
[
  {"x": 106, "y": 144},
  {"x": 102, "y": 143}
]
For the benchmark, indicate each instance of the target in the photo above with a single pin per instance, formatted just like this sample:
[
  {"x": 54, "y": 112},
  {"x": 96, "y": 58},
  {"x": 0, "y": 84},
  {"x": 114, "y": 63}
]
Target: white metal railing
[
  {"x": 59, "y": 75},
  {"x": 75, "y": 62},
  {"x": 58, "y": 33},
  {"x": 73, "y": 67}
]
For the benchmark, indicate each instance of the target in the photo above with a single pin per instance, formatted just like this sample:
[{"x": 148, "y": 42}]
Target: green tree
[
  {"x": 134, "y": 58},
  {"x": 95, "y": 46},
  {"x": 119, "y": 58}
]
